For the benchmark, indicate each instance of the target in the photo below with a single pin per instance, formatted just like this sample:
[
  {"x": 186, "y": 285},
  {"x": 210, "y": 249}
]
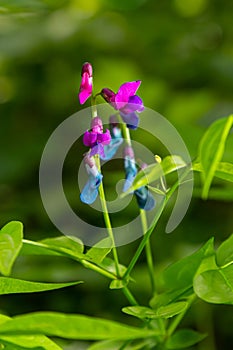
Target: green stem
[
  {"x": 154, "y": 223},
  {"x": 149, "y": 256},
  {"x": 130, "y": 296},
  {"x": 108, "y": 226},
  {"x": 84, "y": 262},
  {"x": 126, "y": 134},
  {"x": 143, "y": 241},
  {"x": 103, "y": 199},
  {"x": 98, "y": 269},
  {"x": 174, "y": 324}
]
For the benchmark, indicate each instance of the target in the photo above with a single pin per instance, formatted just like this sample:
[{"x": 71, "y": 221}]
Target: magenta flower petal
[
  {"x": 85, "y": 88},
  {"x": 104, "y": 138},
  {"x": 89, "y": 138},
  {"x": 125, "y": 91}
]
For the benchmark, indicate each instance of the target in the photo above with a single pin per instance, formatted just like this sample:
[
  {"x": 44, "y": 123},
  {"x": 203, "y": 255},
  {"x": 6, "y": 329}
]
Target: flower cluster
[{"x": 105, "y": 144}]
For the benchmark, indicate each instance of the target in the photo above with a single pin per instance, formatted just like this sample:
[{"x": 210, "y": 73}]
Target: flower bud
[
  {"x": 97, "y": 125},
  {"x": 108, "y": 95},
  {"x": 87, "y": 68}
]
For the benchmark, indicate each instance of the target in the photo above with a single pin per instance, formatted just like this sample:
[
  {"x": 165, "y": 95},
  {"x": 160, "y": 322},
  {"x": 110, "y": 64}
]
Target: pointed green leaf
[
  {"x": 29, "y": 342},
  {"x": 11, "y": 236},
  {"x": 37, "y": 248},
  {"x": 116, "y": 345},
  {"x": 118, "y": 284},
  {"x": 109, "y": 265},
  {"x": 20, "y": 342},
  {"x": 171, "y": 310},
  {"x": 162, "y": 312},
  {"x": 67, "y": 244},
  {"x": 223, "y": 170},
  {"x": 211, "y": 150},
  {"x": 63, "y": 246},
  {"x": 99, "y": 251},
  {"x": 225, "y": 252},
  {"x": 215, "y": 286},
  {"x": 154, "y": 171},
  {"x": 180, "y": 274},
  {"x": 169, "y": 297},
  {"x": 141, "y": 312},
  {"x": 72, "y": 326},
  {"x": 184, "y": 338},
  {"x": 12, "y": 285},
  {"x": 107, "y": 345}
]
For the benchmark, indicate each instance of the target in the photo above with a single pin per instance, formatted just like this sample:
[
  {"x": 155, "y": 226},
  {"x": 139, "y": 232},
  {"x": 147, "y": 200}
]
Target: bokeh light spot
[{"x": 190, "y": 8}]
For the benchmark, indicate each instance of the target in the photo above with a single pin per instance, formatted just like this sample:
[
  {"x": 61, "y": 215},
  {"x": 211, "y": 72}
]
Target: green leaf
[
  {"x": 154, "y": 171},
  {"x": 109, "y": 265},
  {"x": 171, "y": 309},
  {"x": 67, "y": 244},
  {"x": 11, "y": 236},
  {"x": 72, "y": 326},
  {"x": 184, "y": 338},
  {"x": 99, "y": 251},
  {"x": 20, "y": 342},
  {"x": 141, "y": 312},
  {"x": 37, "y": 248},
  {"x": 215, "y": 286},
  {"x": 118, "y": 284},
  {"x": 106, "y": 345},
  {"x": 223, "y": 170},
  {"x": 166, "y": 298},
  {"x": 12, "y": 285},
  {"x": 162, "y": 312},
  {"x": 224, "y": 253},
  {"x": 180, "y": 274},
  {"x": 63, "y": 246},
  {"x": 26, "y": 342},
  {"x": 211, "y": 150},
  {"x": 116, "y": 345}
]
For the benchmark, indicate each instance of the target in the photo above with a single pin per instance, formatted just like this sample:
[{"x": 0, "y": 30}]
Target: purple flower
[
  {"x": 126, "y": 101},
  {"x": 96, "y": 139},
  {"x": 85, "y": 90},
  {"x": 116, "y": 138},
  {"x": 90, "y": 190}
]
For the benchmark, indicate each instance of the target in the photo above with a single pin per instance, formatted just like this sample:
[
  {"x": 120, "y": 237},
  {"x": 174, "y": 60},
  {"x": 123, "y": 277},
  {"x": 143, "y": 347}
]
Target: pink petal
[
  {"x": 85, "y": 90},
  {"x": 104, "y": 138},
  {"x": 125, "y": 91},
  {"x": 89, "y": 138}
]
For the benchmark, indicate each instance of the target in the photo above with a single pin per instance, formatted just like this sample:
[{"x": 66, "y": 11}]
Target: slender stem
[
  {"x": 179, "y": 317},
  {"x": 98, "y": 269},
  {"x": 108, "y": 226},
  {"x": 154, "y": 223},
  {"x": 84, "y": 262},
  {"x": 130, "y": 296},
  {"x": 93, "y": 107},
  {"x": 103, "y": 199},
  {"x": 144, "y": 241},
  {"x": 149, "y": 256},
  {"x": 126, "y": 134}
]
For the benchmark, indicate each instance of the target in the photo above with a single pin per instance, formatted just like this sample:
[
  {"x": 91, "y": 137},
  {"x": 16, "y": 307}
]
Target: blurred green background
[{"x": 182, "y": 50}]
